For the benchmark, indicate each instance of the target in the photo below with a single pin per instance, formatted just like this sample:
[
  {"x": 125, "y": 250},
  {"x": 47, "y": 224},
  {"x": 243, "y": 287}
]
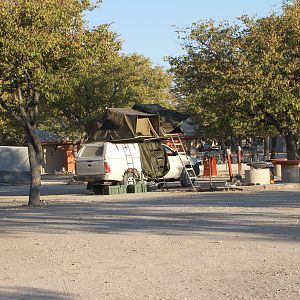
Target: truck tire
[
  {"x": 184, "y": 179},
  {"x": 97, "y": 189}
]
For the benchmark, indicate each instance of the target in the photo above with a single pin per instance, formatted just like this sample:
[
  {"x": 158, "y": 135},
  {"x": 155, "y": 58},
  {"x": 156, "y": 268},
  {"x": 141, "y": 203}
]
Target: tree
[
  {"x": 118, "y": 81},
  {"x": 11, "y": 132},
  {"x": 74, "y": 101},
  {"x": 41, "y": 42},
  {"x": 243, "y": 78},
  {"x": 272, "y": 59},
  {"x": 200, "y": 75}
]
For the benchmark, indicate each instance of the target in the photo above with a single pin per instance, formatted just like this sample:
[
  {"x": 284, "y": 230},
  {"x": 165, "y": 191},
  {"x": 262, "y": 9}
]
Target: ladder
[
  {"x": 131, "y": 172},
  {"x": 189, "y": 170},
  {"x": 128, "y": 156}
]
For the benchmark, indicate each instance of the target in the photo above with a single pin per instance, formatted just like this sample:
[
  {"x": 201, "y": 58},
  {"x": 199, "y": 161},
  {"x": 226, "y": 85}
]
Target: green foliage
[
  {"x": 240, "y": 79},
  {"x": 271, "y": 63},
  {"x": 233, "y": 72},
  {"x": 204, "y": 77},
  {"x": 57, "y": 73},
  {"x": 39, "y": 40},
  {"x": 71, "y": 101},
  {"x": 116, "y": 81},
  {"x": 41, "y": 43},
  {"x": 11, "y": 132}
]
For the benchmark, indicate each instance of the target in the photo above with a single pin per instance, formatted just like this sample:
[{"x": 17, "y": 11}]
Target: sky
[{"x": 147, "y": 26}]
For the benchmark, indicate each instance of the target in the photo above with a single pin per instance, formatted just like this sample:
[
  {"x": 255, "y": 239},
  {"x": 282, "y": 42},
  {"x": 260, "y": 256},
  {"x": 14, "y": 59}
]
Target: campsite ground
[{"x": 163, "y": 245}]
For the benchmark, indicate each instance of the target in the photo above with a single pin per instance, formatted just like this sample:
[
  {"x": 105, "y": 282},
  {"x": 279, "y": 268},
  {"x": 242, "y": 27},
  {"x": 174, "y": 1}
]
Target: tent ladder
[
  {"x": 128, "y": 155},
  {"x": 188, "y": 170}
]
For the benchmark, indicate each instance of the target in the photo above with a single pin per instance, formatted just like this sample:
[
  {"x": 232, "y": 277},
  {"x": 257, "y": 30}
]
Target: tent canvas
[
  {"x": 144, "y": 127},
  {"x": 170, "y": 120},
  {"x": 125, "y": 125}
]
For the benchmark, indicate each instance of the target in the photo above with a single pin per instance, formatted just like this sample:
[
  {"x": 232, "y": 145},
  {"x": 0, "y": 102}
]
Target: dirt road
[{"x": 232, "y": 245}]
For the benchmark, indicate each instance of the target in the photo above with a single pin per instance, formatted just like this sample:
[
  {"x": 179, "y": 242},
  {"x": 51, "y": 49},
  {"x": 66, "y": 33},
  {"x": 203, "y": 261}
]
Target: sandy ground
[{"x": 166, "y": 245}]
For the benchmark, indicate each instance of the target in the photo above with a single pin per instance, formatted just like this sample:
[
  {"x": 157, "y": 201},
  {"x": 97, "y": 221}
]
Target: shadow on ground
[
  {"x": 263, "y": 214},
  {"x": 55, "y": 188},
  {"x": 21, "y": 293}
]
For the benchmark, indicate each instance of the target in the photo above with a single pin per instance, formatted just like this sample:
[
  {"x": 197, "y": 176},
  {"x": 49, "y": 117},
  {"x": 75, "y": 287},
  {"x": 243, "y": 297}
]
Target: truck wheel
[
  {"x": 97, "y": 189},
  {"x": 184, "y": 179}
]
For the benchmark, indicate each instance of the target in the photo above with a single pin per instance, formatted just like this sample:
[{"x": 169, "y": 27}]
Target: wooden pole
[
  {"x": 229, "y": 161},
  {"x": 240, "y": 160}
]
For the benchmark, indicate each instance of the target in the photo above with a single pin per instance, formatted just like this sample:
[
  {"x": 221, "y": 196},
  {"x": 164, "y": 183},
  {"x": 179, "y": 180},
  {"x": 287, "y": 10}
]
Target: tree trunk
[
  {"x": 273, "y": 147},
  {"x": 35, "y": 160},
  {"x": 267, "y": 147},
  {"x": 27, "y": 115},
  {"x": 291, "y": 146},
  {"x": 234, "y": 143}
]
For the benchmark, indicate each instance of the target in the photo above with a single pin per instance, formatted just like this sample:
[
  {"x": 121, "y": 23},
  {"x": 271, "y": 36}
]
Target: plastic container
[
  {"x": 137, "y": 188},
  {"x": 114, "y": 189}
]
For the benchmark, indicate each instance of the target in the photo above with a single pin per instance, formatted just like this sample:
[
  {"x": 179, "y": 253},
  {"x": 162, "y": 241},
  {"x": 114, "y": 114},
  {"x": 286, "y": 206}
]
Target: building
[{"x": 59, "y": 153}]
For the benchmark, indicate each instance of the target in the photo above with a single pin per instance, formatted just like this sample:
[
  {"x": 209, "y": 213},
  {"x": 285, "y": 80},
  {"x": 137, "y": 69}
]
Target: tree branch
[
  {"x": 35, "y": 106},
  {"x": 9, "y": 112},
  {"x": 115, "y": 91},
  {"x": 273, "y": 121}
]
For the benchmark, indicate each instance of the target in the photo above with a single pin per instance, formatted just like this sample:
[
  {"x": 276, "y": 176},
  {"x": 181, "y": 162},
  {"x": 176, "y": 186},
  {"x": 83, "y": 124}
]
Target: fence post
[
  {"x": 239, "y": 158},
  {"x": 229, "y": 164}
]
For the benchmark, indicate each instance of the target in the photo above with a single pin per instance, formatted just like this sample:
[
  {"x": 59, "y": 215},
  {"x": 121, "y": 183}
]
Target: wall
[{"x": 14, "y": 165}]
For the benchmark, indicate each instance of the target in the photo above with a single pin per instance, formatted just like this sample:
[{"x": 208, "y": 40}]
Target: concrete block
[{"x": 257, "y": 176}]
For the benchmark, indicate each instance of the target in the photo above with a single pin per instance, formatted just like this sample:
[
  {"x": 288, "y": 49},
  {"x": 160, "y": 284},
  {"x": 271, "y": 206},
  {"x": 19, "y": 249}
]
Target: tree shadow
[
  {"x": 261, "y": 215},
  {"x": 56, "y": 188},
  {"x": 21, "y": 293}
]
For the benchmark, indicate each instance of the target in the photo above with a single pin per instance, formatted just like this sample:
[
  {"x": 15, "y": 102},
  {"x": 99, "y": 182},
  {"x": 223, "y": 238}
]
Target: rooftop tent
[
  {"x": 123, "y": 123},
  {"x": 170, "y": 120},
  {"x": 127, "y": 125}
]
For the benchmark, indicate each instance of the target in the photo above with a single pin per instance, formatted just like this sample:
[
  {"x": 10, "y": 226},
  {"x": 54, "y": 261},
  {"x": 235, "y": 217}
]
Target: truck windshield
[{"x": 169, "y": 151}]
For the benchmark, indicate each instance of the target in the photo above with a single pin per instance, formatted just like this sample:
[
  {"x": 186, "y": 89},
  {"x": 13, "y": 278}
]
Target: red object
[
  {"x": 229, "y": 165},
  {"x": 285, "y": 162},
  {"x": 70, "y": 159},
  {"x": 106, "y": 168},
  {"x": 210, "y": 166}
]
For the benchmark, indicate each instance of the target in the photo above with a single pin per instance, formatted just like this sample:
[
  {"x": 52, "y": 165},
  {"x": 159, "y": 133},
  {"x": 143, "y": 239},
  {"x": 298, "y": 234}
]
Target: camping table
[{"x": 290, "y": 170}]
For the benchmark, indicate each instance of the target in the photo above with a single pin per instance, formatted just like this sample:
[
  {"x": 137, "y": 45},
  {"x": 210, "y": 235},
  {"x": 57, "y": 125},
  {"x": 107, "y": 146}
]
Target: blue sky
[{"x": 145, "y": 26}]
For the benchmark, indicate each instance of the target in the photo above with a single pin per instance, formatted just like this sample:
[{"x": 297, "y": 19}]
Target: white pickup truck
[{"x": 105, "y": 163}]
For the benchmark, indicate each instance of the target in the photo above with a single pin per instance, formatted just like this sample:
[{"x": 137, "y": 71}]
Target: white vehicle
[
  {"x": 106, "y": 163},
  {"x": 176, "y": 165}
]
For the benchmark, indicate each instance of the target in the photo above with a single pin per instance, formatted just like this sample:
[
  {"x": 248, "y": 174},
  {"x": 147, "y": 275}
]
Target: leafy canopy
[
  {"x": 118, "y": 81},
  {"x": 243, "y": 78}
]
